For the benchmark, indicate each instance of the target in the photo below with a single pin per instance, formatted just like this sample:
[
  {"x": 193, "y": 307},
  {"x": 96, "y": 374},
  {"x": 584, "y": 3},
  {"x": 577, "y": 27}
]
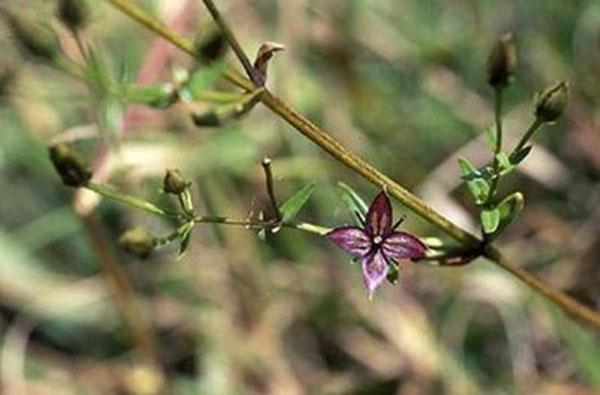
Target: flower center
[{"x": 377, "y": 240}]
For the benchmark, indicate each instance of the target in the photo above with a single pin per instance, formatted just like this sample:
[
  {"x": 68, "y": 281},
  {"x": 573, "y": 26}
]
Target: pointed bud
[
  {"x": 174, "y": 182},
  {"x": 138, "y": 241},
  {"x": 550, "y": 104},
  {"x": 501, "y": 62},
  {"x": 261, "y": 62},
  {"x": 73, "y": 13},
  {"x": 33, "y": 36},
  {"x": 73, "y": 170}
]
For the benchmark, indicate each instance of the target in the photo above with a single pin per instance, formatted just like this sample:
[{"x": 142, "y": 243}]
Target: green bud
[
  {"x": 73, "y": 13},
  {"x": 501, "y": 62},
  {"x": 35, "y": 37},
  {"x": 138, "y": 241},
  {"x": 550, "y": 104},
  {"x": 73, "y": 170},
  {"x": 174, "y": 182}
]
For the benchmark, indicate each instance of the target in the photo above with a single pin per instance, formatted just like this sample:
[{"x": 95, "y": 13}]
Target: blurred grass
[{"x": 400, "y": 82}]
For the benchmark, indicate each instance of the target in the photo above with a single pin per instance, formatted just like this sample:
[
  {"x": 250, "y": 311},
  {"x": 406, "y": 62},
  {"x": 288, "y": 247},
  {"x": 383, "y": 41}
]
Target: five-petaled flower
[{"x": 377, "y": 243}]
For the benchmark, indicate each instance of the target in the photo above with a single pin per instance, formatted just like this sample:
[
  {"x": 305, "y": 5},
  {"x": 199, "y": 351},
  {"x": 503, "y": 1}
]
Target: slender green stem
[
  {"x": 303, "y": 226},
  {"x": 364, "y": 169},
  {"x": 111, "y": 193},
  {"x": 537, "y": 123},
  {"x": 230, "y": 37},
  {"x": 498, "y": 148}
]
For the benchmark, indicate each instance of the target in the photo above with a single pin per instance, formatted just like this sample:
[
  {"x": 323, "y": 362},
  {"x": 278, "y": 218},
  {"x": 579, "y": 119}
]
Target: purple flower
[{"x": 377, "y": 243}]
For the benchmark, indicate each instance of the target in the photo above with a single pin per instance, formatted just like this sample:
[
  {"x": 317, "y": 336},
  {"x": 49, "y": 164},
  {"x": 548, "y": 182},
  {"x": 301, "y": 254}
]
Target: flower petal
[
  {"x": 402, "y": 245},
  {"x": 351, "y": 239},
  {"x": 379, "y": 216},
  {"x": 374, "y": 270}
]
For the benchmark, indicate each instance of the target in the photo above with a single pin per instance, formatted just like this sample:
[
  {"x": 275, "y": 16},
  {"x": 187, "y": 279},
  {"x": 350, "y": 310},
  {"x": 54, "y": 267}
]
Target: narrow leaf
[
  {"x": 292, "y": 206},
  {"x": 509, "y": 208},
  {"x": 185, "y": 233},
  {"x": 478, "y": 186},
  {"x": 353, "y": 202},
  {"x": 490, "y": 219}
]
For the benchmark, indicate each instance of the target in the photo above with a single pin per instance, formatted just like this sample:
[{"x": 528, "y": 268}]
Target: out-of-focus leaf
[
  {"x": 202, "y": 78},
  {"x": 475, "y": 179},
  {"x": 490, "y": 219},
  {"x": 491, "y": 136},
  {"x": 505, "y": 164},
  {"x": 292, "y": 206},
  {"x": 158, "y": 95},
  {"x": 393, "y": 273}
]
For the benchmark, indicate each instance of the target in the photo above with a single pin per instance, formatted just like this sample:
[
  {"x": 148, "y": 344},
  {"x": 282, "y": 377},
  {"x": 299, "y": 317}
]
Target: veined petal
[
  {"x": 351, "y": 239},
  {"x": 379, "y": 216},
  {"x": 402, "y": 245},
  {"x": 374, "y": 270}
]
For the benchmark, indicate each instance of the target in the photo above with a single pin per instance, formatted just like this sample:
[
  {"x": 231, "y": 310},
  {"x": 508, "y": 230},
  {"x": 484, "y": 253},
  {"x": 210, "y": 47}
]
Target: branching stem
[{"x": 369, "y": 173}]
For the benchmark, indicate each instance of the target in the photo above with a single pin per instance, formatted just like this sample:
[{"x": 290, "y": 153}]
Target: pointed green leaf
[
  {"x": 185, "y": 233},
  {"x": 504, "y": 162},
  {"x": 291, "y": 207},
  {"x": 353, "y": 202},
  {"x": 490, "y": 219},
  {"x": 475, "y": 179},
  {"x": 509, "y": 208}
]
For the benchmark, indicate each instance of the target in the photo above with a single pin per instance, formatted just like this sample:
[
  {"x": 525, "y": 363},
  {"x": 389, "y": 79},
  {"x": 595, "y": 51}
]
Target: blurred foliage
[{"x": 402, "y": 83}]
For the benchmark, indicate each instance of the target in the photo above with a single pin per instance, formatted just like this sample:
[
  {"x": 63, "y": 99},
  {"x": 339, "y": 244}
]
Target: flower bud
[
  {"x": 501, "y": 62},
  {"x": 174, "y": 182},
  {"x": 73, "y": 170},
  {"x": 211, "y": 48},
  {"x": 73, "y": 13},
  {"x": 35, "y": 37},
  {"x": 550, "y": 104},
  {"x": 138, "y": 241}
]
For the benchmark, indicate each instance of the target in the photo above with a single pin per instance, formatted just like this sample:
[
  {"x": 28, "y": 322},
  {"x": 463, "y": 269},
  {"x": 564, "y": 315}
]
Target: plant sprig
[{"x": 547, "y": 106}]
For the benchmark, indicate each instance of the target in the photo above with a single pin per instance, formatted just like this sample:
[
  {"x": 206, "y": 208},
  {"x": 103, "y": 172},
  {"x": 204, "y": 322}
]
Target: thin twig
[
  {"x": 140, "y": 328},
  {"x": 266, "y": 164},
  {"x": 303, "y": 226}
]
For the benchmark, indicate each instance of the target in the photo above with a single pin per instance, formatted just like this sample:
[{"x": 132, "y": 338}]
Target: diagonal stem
[
  {"x": 230, "y": 37},
  {"x": 369, "y": 173}
]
